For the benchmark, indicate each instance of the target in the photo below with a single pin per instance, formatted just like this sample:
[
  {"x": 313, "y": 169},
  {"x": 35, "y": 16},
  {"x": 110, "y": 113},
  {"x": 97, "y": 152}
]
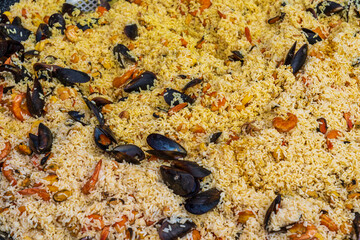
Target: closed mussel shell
[
  {"x": 172, "y": 231},
  {"x": 203, "y": 202},
  {"x": 43, "y": 32},
  {"x": 166, "y": 145},
  {"x": 69, "y": 77},
  {"x": 35, "y": 100},
  {"x": 273, "y": 208},
  {"x": 329, "y": 8},
  {"x": 191, "y": 167},
  {"x": 299, "y": 59},
  {"x": 45, "y": 138},
  {"x": 143, "y": 82},
  {"x": 131, "y": 31}
]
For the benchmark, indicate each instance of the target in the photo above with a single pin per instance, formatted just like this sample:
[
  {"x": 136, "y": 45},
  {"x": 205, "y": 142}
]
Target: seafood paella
[{"x": 186, "y": 119}]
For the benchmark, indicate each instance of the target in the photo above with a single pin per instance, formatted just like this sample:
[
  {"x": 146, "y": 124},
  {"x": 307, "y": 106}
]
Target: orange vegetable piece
[
  {"x": 221, "y": 15},
  {"x": 42, "y": 193},
  {"x": 322, "y": 125},
  {"x": 24, "y": 13},
  {"x": 220, "y": 103},
  {"x": 8, "y": 61},
  {"x": 105, "y": 233},
  {"x": 101, "y": 10},
  {"x": 333, "y": 134},
  {"x": 326, "y": 221},
  {"x": 319, "y": 32},
  {"x": 120, "y": 226},
  {"x": 285, "y": 125},
  {"x": 349, "y": 123},
  {"x": 8, "y": 174},
  {"x": 198, "y": 129},
  {"x": 177, "y": 108},
  {"x": 16, "y": 106},
  {"x": 90, "y": 184},
  {"x": 196, "y": 235},
  {"x": 204, "y": 4},
  {"x": 5, "y": 151},
  {"x": 248, "y": 34},
  {"x": 184, "y": 43},
  {"x": 245, "y": 215},
  {"x": 119, "y": 81},
  {"x": 95, "y": 219}
]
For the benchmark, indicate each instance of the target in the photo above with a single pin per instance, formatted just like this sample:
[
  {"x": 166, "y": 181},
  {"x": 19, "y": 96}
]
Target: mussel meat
[
  {"x": 129, "y": 153},
  {"x": 35, "y": 101},
  {"x": 165, "y": 147},
  {"x": 181, "y": 182},
  {"x": 143, "y": 82},
  {"x": 173, "y": 231},
  {"x": 203, "y": 202},
  {"x": 191, "y": 167},
  {"x": 103, "y": 137},
  {"x": 43, "y": 141},
  {"x": 275, "y": 205},
  {"x": 173, "y": 97}
]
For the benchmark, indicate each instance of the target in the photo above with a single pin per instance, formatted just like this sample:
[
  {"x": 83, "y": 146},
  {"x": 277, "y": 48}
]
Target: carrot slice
[
  {"x": 177, "y": 108},
  {"x": 90, "y": 184},
  {"x": 248, "y": 34},
  {"x": 105, "y": 233},
  {"x": 101, "y": 10}
]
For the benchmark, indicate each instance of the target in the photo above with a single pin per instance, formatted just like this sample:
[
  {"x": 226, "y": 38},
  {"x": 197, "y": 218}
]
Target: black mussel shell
[
  {"x": 191, "y": 167},
  {"x": 203, "y": 202},
  {"x": 181, "y": 182},
  {"x": 15, "y": 32},
  {"x": 129, "y": 153},
  {"x": 69, "y": 76},
  {"x": 45, "y": 138},
  {"x": 215, "y": 137},
  {"x": 5, "y": 236},
  {"x": 35, "y": 101},
  {"x": 44, "y": 160},
  {"x": 33, "y": 142},
  {"x": 101, "y": 101},
  {"x": 57, "y": 20},
  {"x": 122, "y": 53},
  {"x": 329, "y": 8},
  {"x": 173, "y": 231},
  {"x": 9, "y": 47},
  {"x": 43, "y": 32},
  {"x": 166, "y": 155},
  {"x": 273, "y": 208},
  {"x": 299, "y": 58},
  {"x": 77, "y": 116},
  {"x": 192, "y": 83},
  {"x": 103, "y": 138},
  {"x": 290, "y": 55},
  {"x": 311, "y": 36},
  {"x": 105, "y": 4},
  {"x": 70, "y": 9},
  {"x": 4, "y": 19},
  {"x": 89, "y": 23},
  {"x": 166, "y": 145},
  {"x": 174, "y": 97},
  {"x": 312, "y": 11},
  {"x": 17, "y": 21},
  {"x": 356, "y": 225},
  {"x": 7, "y": 89},
  {"x": 131, "y": 31},
  {"x": 94, "y": 109},
  {"x": 15, "y": 71},
  {"x": 31, "y": 53},
  {"x": 143, "y": 82},
  {"x": 276, "y": 19},
  {"x": 237, "y": 56}
]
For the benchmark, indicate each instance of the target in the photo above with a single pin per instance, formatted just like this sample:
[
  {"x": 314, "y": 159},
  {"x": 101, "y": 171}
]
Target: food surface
[{"x": 199, "y": 119}]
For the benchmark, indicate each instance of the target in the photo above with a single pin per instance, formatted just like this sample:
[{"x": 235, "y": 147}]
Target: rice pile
[{"x": 249, "y": 167}]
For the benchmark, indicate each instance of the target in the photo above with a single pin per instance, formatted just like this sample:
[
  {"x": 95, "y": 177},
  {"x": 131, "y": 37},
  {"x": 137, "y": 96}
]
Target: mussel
[
  {"x": 35, "y": 100},
  {"x": 77, "y": 116},
  {"x": 70, "y": 9},
  {"x": 43, "y": 32},
  {"x": 290, "y": 55},
  {"x": 237, "y": 56},
  {"x": 94, "y": 109},
  {"x": 173, "y": 231},
  {"x": 165, "y": 147},
  {"x": 88, "y": 23},
  {"x": 103, "y": 137},
  {"x": 173, "y": 97},
  {"x": 192, "y": 83},
  {"x": 9, "y": 47},
  {"x": 57, "y": 21},
  {"x": 129, "y": 153},
  {"x": 203, "y": 202},
  {"x": 277, "y": 19},
  {"x": 275, "y": 205},
  {"x": 214, "y": 137},
  {"x": 17, "y": 21},
  {"x": 191, "y": 167},
  {"x": 101, "y": 101},
  {"x": 15, "y": 71},
  {"x": 4, "y": 19},
  {"x": 44, "y": 160},
  {"x": 42, "y": 142},
  {"x": 356, "y": 225},
  {"x": 122, "y": 53},
  {"x": 328, "y": 8},
  {"x": 299, "y": 58},
  {"x": 131, "y": 31},
  {"x": 5, "y": 236},
  {"x": 181, "y": 182},
  {"x": 311, "y": 36},
  {"x": 15, "y": 32},
  {"x": 143, "y": 82}
]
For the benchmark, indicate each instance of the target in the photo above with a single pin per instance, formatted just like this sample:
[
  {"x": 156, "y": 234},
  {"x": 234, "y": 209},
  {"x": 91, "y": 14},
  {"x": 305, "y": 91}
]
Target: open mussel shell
[
  {"x": 88, "y": 23},
  {"x": 131, "y": 31},
  {"x": 181, "y": 182},
  {"x": 129, "y": 153},
  {"x": 168, "y": 147},
  {"x": 4, "y": 19},
  {"x": 17, "y": 21},
  {"x": 5, "y": 236},
  {"x": 173, "y": 231},
  {"x": 15, "y": 32},
  {"x": 101, "y": 101},
  {"x": 70, "y": 9},
  {"x": 356, "y": 225},
  {"x": 237, "y": 56},
  {"x": 173, "y": 97},
  {"x": 57, "y": 21},
  {"x": 77, "y": 116},
  {"x": 35, "y": 100},
  {"x": 103, "y": 137},
  {"x": 122, "y": 53},
  {"x": 328, "y": 8},
  {"x": 191, "y": 167},
  {"x": 143, "y": 82},
  {"x": 43, "y": 141},
  {"x": 43, "y": 32},
  {"x": 203, "y": 202},
  {"x": 214, "y": 137},
  {"x": 9, "y": 47},
  {"x": 192, "y": 83},
  {"x": 290, "y": 55},
  {"x": 69, "y": 76},
  {"x": 15, "y": 71},
  {"x": 273, "y": 208},
  {"x": 299, "y": 58},
  {"x": 94, "y": 109},
  {"x": 311, "y": 36}
]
